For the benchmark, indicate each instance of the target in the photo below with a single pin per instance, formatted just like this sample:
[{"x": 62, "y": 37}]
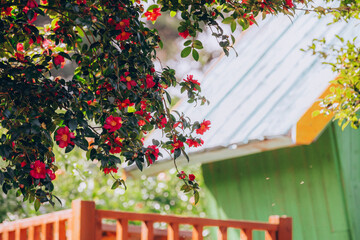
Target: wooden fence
[{"x": 84, "y": 222}]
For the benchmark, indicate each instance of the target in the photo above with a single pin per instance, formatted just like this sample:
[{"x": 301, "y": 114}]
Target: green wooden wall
[
  {"x": 348, "y": 145},
  {"x": 317, "y": 185}
]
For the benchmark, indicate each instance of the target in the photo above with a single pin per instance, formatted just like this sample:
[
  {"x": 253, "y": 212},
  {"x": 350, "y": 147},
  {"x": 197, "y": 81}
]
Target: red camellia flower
[
  {"x": 31, "y": 4},
  {"x": 152, "y": 149},
  {"x": 20, "y": 47},
  {"x": 127, "y": 79},
  {"x": 81, "y": 2},
  {"x": 250, "y": 18},
  {"x": 149, "y": 81},
  {"x": 194, "y": 143},
  {"x": 38, "y": 170},
  {"x": 204, "y": 126},
  {"x": 123, "y": 36},
  {"x": 182, "y": 175},
  {"x": 113, "y": 123},
  {"x": 153, "y": 14},
  {"x": 20, "y": 57},
  {"x": 115, "y": 145},
  {"x": 176, "y": 144},
  {"x": 191, "y": 177},
  {"x": 7, "y": 11},
  {"x": 108, "y": 170},
  {"x": 190, "y": 79},
  {"x": 162, "y": 122},
  {"x": 125, "y": 103},
  {"x": 122, "y": 24},
  {"x": 289, "y": 3},
  {"x": 64, "y": 137},
  {"x": 56, "y": 26},
  {"x": 59, "y": 60},
  {"x": 141, "y": 122},
  {"x": 23, "y": 164},
  {"x": 184, "y": 34},
  {"x": 51, "y": 174}
]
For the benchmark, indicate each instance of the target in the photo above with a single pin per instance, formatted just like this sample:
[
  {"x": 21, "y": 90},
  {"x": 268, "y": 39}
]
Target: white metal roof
[{"x": 262, "y": 93}]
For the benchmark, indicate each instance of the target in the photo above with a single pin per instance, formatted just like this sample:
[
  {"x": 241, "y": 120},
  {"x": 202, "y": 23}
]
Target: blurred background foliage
[{"x": 79, "y": 179}]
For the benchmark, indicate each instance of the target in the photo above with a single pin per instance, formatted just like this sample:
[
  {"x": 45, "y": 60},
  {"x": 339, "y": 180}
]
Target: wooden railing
[{"x": 84, "y": 222}]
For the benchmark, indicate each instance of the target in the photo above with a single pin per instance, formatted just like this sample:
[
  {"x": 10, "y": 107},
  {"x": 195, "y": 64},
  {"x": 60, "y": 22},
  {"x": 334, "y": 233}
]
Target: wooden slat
[
  {"x": 173, "y": 231},
  {"x": 222, "y": 233},
  {"x": 31, "y": 233},
  {"x": 187, "y": 220},
  {"x": 47, "y": 231},
  {"x": 247, "y": 234},
  {"x": 5, "y": 235},
  {"x": 147, "y": 230},
  {"x": 197, "y": 232},
  {"x": 122, "y": 229},
  {"x": 59, "y": 232}
]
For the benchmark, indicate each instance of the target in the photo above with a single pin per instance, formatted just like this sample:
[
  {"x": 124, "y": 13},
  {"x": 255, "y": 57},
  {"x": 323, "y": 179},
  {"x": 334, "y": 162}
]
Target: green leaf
[
  {"x": 139, "y": 165},
  {"x": 198, "y": 44},
  {"x": 177, "y": 153},
  {"x": 88, "y": 155},
  {"x": 168, "y": 97},
  {"x": 173, "y": 13},
  {"x": 1, "y": 177},
  {"x": 228, "y": 20},
  {"x": 187, "y": 43},
  {"x": 186, "y": 156},
  {"x": 233, "y": 26},
  {"x": 152, "y": 7},
  {"x": 72, "y": 124},
  {"x": 94, "y": 45},
  {"x": 115, "y": 184},
  {"x": 195, "y": 55},
  {"x": 154, "y": 141},
  {"x": 80, "y": 31},
  {"x": 196, "y": 196},
  {"x": 185, "y": 52},
  {"x": 65, "y": 55},
  {"x": 37, "y": 204}
]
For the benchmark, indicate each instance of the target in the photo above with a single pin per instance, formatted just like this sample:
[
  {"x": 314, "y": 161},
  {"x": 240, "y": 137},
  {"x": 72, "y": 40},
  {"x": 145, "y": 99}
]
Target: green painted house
[{"x": 264, "y": 154}]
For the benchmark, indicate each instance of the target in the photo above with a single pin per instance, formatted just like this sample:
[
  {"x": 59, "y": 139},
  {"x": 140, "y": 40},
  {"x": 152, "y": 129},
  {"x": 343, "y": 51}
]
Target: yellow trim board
[{"x": 308, "y": 128}]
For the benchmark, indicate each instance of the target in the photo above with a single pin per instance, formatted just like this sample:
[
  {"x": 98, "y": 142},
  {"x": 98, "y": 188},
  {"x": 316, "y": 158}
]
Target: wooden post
[
  {"x": 173, "y": 231},
  {"x": 85, "y": 225},
  {"x": 285, "y": 228},
  {"x": 197, "y": 232},
  {"x": 222, "y": 233},
  {"x": 272, "y": 235},
  {"x": 147, "y": 230},
  {"x": 122, "y": 229},
  {"x": 47, "y": 231},
  {"x": 20, "y": 234}
]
